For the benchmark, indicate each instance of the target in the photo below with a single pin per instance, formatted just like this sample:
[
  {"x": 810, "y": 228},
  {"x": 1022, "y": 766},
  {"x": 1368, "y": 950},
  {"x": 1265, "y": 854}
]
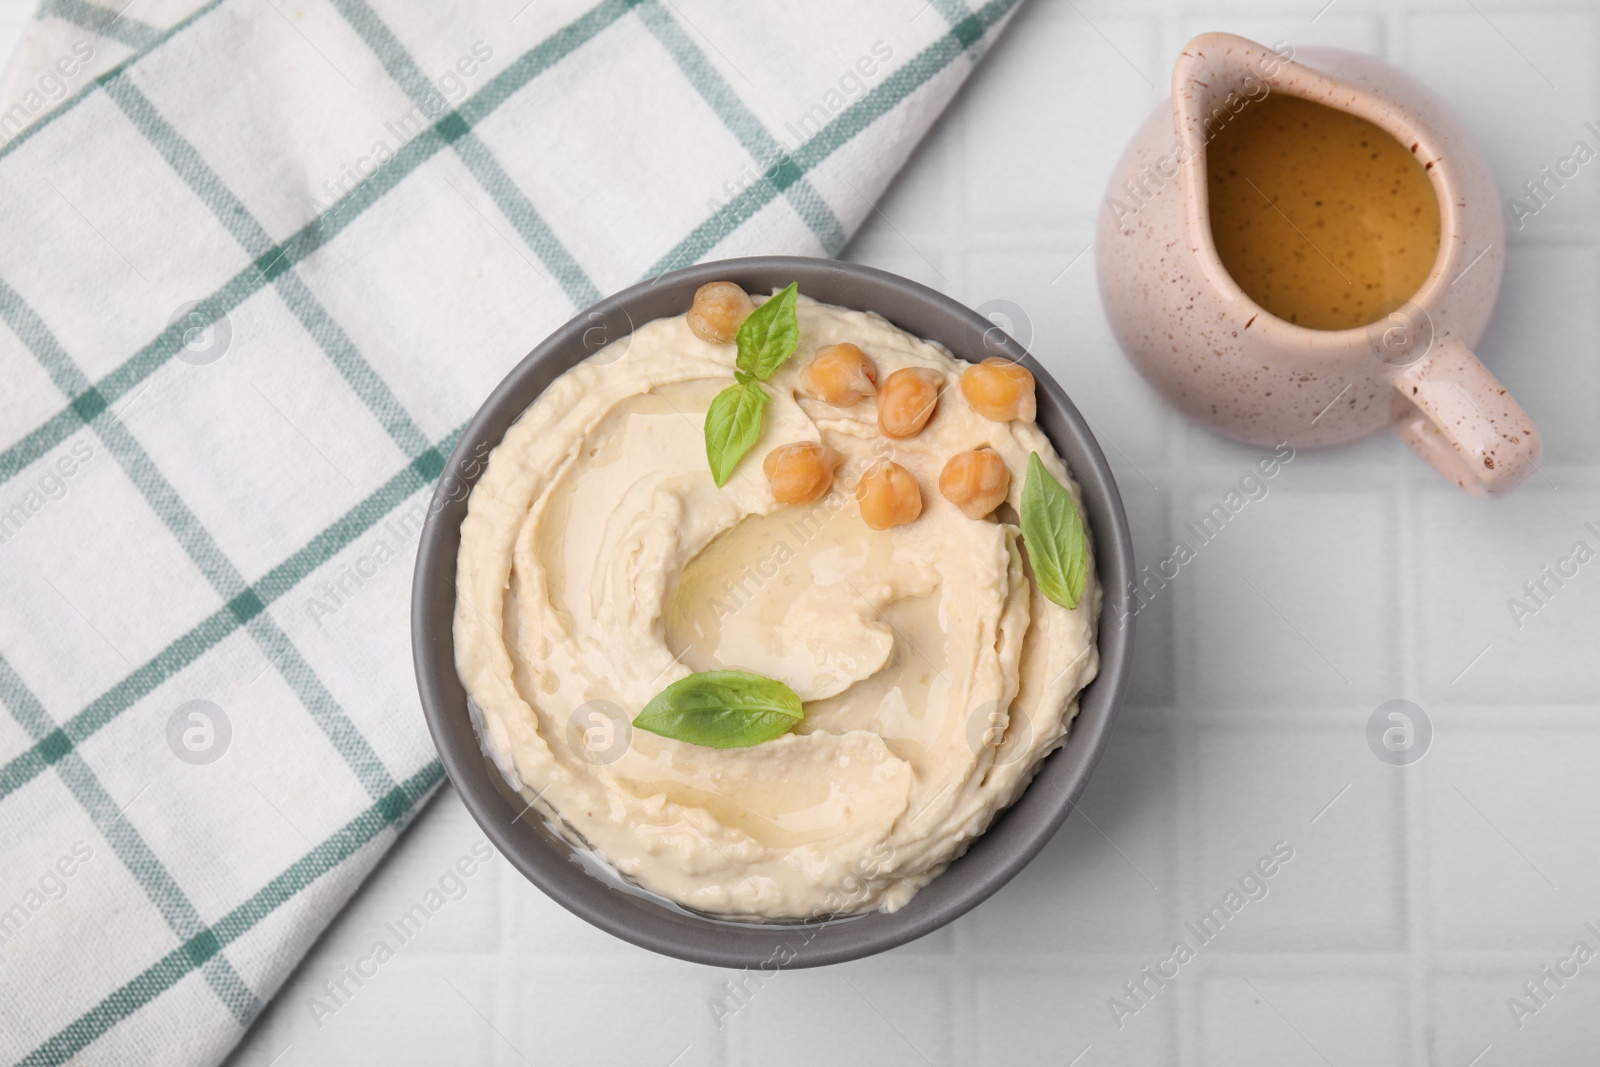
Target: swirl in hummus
[{"x": 599, "y": 563}]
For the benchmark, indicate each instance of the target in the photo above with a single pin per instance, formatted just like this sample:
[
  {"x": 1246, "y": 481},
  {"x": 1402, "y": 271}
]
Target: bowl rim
[{"x": 1017, "y": 834}]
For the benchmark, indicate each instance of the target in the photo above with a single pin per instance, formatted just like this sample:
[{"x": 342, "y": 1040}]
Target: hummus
[{"x": 599, "y": 563}]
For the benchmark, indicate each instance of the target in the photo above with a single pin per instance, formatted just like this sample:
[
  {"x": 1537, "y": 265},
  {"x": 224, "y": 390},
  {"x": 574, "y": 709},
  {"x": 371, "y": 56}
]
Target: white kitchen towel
[{"x": 259, "y": 262}]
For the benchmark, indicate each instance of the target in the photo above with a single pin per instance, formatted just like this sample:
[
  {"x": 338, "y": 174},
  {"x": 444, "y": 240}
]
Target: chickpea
[
  {"x": 801, "y": 472},
  {"x": 907, "y": 399},
  {"x": 999, "y": 389},
  {"x": 841, "y": 375},
  {"x": 888, "y": 495},
  {"x": 719, "y": 309},
  {"x": 976, "y": 481}
]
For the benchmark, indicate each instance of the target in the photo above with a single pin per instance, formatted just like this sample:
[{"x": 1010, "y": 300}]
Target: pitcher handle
[{"x": 1465, "y": 423}]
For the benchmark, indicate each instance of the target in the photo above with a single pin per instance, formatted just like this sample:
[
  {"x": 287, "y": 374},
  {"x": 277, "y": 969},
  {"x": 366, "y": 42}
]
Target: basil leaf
[
  {"x": 768, "y": 336},
  {"x": 1052, "y": 529},
  {"x": 722, "y": 709},
  {"x": 733, "y": 426}
]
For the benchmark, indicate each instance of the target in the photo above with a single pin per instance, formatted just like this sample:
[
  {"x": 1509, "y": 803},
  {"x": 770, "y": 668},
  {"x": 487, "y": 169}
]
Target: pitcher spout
[{"x": 1216, "y": 77}]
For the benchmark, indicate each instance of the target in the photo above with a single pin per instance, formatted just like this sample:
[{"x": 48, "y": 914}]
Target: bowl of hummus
[{"x": 773, "y": 612}]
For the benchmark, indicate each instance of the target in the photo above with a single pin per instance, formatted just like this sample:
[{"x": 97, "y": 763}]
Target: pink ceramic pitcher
[{"x": 1216, "y": 354}]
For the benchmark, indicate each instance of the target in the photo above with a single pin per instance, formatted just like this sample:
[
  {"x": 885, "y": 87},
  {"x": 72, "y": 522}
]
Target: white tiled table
[{"x": 1418, "y": 900}]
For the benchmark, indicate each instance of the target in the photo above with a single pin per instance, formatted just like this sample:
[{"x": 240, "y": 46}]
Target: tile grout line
[
  {"x": 1186, "y": 797},
  {"x": 1397, "y": 34},
  {"x": 504, "y": 973},
  {"x": 962, "y": 985},
  {"x": 1414, "y": 778}
]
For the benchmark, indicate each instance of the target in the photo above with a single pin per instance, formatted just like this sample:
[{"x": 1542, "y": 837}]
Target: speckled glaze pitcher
[{"x": 1218, "y": 355}]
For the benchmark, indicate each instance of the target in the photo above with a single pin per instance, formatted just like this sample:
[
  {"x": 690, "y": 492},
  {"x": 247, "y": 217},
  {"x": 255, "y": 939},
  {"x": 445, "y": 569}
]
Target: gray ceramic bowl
[{"x": 588, "y": 888}]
